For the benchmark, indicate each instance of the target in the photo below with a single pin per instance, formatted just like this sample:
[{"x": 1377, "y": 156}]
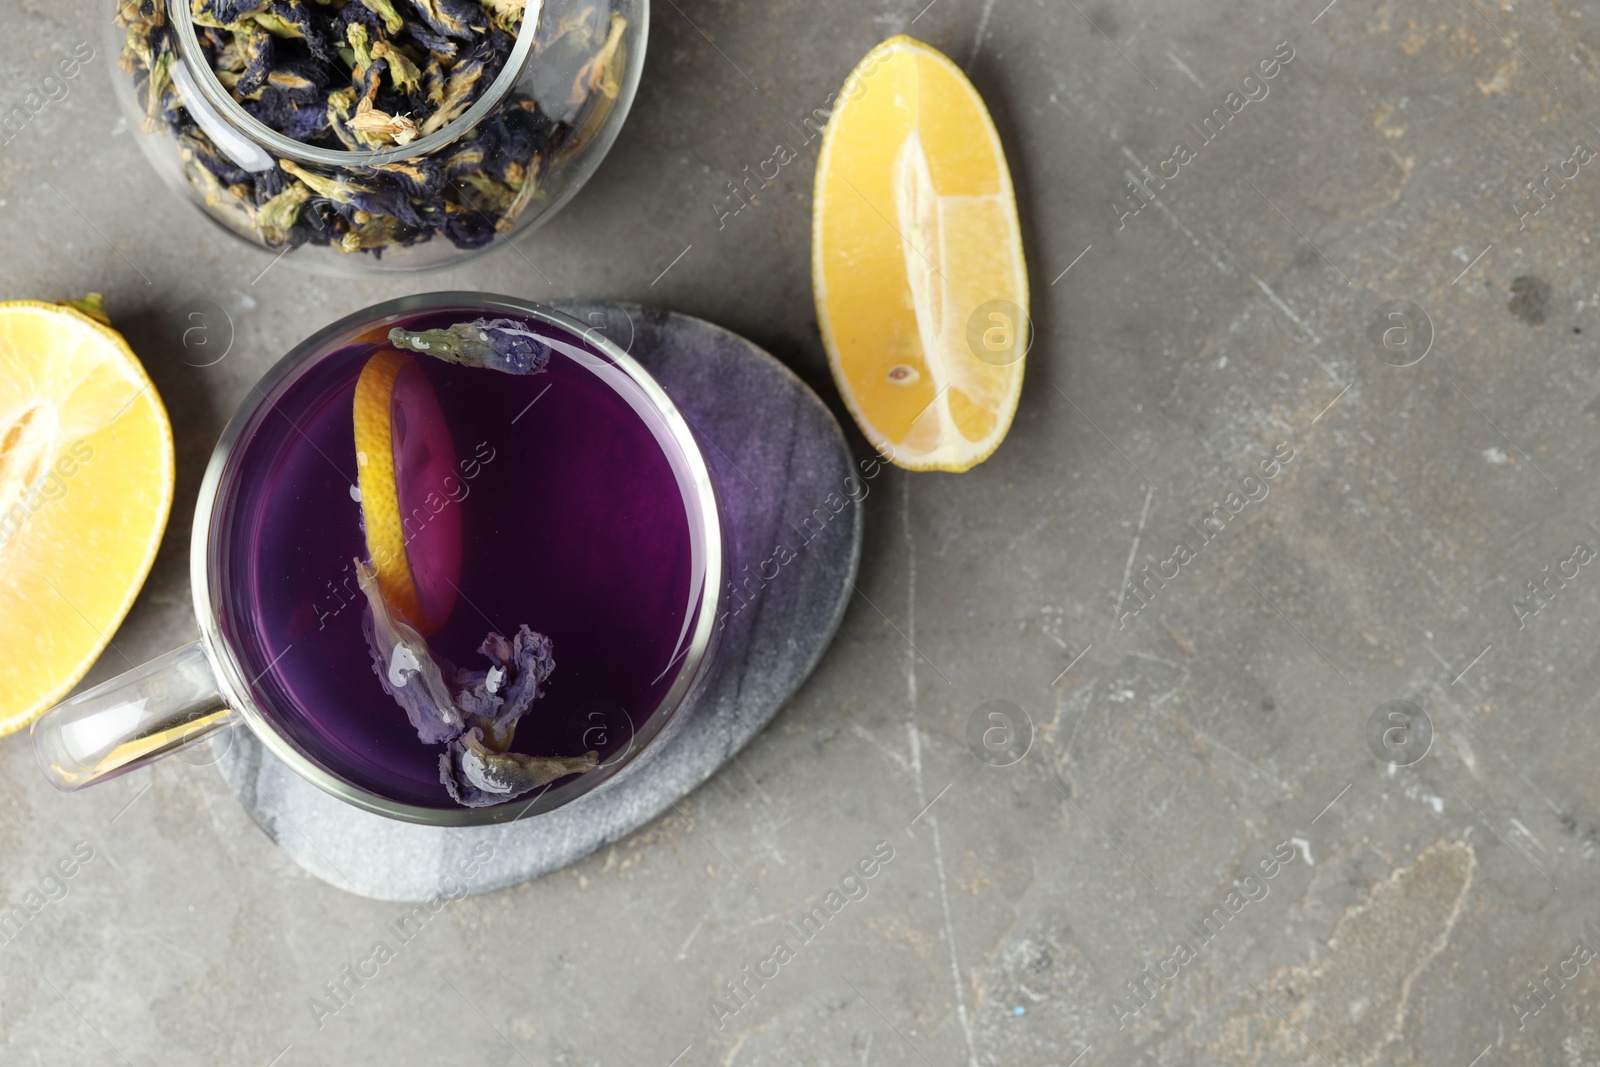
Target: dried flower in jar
[{"x": 362, "y": 76}]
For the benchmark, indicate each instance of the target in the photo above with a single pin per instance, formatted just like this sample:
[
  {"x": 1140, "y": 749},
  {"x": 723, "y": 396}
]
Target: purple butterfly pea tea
[{"x": 577, "y": 586}]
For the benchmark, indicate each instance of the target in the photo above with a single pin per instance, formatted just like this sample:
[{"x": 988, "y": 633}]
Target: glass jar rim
[{"x": 278, "y": 144}]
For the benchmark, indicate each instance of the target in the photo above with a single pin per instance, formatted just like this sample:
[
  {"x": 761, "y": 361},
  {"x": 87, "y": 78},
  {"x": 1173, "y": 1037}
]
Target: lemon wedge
[
  {"x": 86, "y": 475},
  {"x": 917, "y": 262}
]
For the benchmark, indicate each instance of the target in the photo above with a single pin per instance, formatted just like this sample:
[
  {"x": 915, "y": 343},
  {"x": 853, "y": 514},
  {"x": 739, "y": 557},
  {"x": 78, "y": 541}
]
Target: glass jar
[{"x": 495, "y": 152}]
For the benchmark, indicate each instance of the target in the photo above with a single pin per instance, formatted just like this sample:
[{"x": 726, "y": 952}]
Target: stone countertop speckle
[{"x": 1200, "y": 859}]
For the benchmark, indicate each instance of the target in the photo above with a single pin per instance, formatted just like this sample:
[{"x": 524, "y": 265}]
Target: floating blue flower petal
[
  {"x": 473, "y": 713},
  {"x": 497, "y": 344}
]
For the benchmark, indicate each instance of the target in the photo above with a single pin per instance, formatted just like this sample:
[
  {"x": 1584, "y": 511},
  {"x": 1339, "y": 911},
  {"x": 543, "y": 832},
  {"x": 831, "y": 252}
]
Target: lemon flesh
[
  {"x": 917, "y": 262},
  {"x": 405, "y": 459},
  {"x": 86, "y": 477}
]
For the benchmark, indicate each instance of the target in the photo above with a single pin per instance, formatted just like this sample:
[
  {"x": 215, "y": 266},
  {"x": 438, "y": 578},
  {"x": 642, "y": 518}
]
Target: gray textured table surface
[{"x": 1220, "y": 728}]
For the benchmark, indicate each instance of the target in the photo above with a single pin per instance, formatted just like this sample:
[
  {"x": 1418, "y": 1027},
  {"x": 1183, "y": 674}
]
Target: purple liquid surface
[{"x": 573, "y": 522}]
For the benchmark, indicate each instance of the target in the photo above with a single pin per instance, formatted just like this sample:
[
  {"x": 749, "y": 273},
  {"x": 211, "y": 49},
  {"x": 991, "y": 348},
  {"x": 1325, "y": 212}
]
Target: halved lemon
[
  {"x": 917, "y": 264},
  {"x": 86, "y": 468},
  {"x": 406, "y": 467}
]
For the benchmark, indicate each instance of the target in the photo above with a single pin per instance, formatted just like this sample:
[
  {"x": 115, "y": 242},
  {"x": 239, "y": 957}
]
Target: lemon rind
[
  {"x": 167, "y": 474},
  {"x": 1006, "y": 414}
]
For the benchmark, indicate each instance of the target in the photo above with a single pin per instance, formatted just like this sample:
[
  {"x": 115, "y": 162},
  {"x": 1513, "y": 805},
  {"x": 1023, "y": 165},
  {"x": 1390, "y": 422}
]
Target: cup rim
[
  {"x": 217, "y": 95},
  {"x": 232, "y": 680}
]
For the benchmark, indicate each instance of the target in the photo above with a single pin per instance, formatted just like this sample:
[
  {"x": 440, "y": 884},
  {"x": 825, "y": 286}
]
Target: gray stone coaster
[{"x": 777, "y": 456}]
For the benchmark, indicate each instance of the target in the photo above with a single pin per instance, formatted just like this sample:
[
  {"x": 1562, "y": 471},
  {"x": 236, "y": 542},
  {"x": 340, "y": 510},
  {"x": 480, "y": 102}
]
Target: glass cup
[
  {"x": 525, "y": 146},
  {"x": 624, "y": 547}
]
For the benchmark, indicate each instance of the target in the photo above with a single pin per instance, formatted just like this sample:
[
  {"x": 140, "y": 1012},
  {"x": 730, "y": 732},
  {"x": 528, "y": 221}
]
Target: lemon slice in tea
[{"x": 405, "y": 460}]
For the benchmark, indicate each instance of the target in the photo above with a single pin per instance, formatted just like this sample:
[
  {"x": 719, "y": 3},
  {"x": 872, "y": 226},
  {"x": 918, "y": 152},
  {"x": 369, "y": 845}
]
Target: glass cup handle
[{"x": 134, "y": 719}]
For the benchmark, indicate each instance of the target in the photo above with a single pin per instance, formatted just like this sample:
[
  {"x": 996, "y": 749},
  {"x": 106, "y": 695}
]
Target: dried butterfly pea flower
[
  {"x": 497, "y": 344},
  {"x": 390, "y": 201},
  {"x": 376, "y": 233},
  {"x": 593, "y": 75},
  {"x": 496, "y": 699},
  {"x": 225, "y": 11},
  {"x": 463, "y": 19},
  {"x": 375, "y": 197},
  {"x": 359, "y": 38},
  {"x": 460, "y": 89},
  {"x": 433, "y": 81},
  {"x": 437, "y": 44},
  {"x": 294, "y": 19},
  {"x": 469, "y": 157},
  {"x": 318, "y": 223},
  {"x": 465, "y": 227},
  {"x": 203, "y": 152},
  {"x": 305, "y": 123},
  {"x": 474, "y": 712},
  {"x": 356, "y": 14},
  {"x": 477, "y": 776},
  {"x": 413, "y": 64},
  {"x": 257, "y": 47},
  {"x": 406, "y": 74},
  {"x": 420, "y": 178},
  {"x": 340, "y": 110},
  {"x": 158, "y": 92},
  {"x": 380, "y": 126},
  {"x": 405, "y": 666},
  {"x": 215, "y": 43},
  {"x": 144, "y": 40},
  {"x": 519, "y": 138},
  {"x": 485, "y": 194},
  {"x": 217, "y": 196},
  {"x": 276, "y": 217},
  {"x": 302, "y": 82},
  {"x": 393, "y": 21},
  {"x": 505, "y": 15}
]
